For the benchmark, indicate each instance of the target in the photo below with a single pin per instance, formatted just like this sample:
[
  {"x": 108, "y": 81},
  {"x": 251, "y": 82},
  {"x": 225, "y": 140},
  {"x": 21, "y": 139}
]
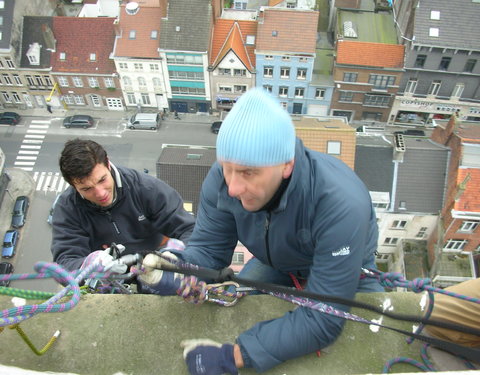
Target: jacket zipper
[
  {"x": 267, "y": 245},
  {"x": 109, "y": 214}
]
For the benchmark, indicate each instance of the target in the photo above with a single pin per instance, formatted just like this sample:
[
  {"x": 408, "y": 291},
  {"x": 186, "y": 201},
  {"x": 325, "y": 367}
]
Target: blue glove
[
  {"x": 207, "y": 357},
  {"x": 156, "y": 281}
]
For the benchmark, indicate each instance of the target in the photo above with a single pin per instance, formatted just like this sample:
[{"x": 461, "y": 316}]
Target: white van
[{"x": 144, "y": 121}]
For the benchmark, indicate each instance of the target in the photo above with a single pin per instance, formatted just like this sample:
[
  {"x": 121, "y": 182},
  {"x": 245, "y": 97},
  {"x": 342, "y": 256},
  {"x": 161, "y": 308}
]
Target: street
[{"x": 35, "y": 145}]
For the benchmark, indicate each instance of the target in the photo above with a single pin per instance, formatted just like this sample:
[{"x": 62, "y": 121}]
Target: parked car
[
  {"x": 50, "y": 214},
  {"x": 10, "y": 243},
  {"x": 19, "y": 213},
  {"x": 78, "y": 121},
  {"x": 215, "y": 128},
  {"x": 413, "y": 132},
  {"x": 5, "y": 268},
  {"x": 10, "y": 118}
]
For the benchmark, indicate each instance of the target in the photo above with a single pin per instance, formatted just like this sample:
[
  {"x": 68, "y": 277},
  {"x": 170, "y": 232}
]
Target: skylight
[{"x": 349, "y": 30}]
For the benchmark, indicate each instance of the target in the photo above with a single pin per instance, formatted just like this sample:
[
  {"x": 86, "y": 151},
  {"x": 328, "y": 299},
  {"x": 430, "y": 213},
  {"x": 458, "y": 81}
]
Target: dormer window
[
  {"x": 33, "y": 54},
  {"x": 63, "y": 56}
]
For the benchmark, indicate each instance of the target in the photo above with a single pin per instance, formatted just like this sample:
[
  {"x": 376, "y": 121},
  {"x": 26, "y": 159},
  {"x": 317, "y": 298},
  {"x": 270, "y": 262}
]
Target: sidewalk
[{"x": 104, "y": 113}]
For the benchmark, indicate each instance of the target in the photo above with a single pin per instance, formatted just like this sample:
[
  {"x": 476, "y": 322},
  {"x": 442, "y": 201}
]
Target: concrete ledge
[{"x": 140, "y": 334}]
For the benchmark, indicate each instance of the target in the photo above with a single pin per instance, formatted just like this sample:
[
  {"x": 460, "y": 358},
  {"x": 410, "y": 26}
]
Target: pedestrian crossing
[
  {"x": 49, "y": 182},
  {"x": 31, "y": 144}
]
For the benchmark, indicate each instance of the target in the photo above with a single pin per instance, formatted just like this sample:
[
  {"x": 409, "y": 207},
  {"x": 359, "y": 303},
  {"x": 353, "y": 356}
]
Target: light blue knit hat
[{"x": 257, "y": 132}]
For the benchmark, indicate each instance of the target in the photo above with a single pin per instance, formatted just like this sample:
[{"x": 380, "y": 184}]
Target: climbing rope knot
[{"x": 419, "y": 284}]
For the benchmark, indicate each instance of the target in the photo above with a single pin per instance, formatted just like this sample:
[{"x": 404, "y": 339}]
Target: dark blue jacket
[
  {"x": 146, "y": 209},
  {"x": 323, "y": 229}
]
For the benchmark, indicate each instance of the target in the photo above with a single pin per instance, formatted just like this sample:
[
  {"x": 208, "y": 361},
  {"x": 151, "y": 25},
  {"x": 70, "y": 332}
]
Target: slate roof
[
  {"x": 370, "y": 54},
  {"x": 187, "y": 26},
  {"x": 35, "y": 30},
  {"x": 296, "y": 30},
  {"x": 143, "y": 23},
  {"x": 421, "y": 179},
  {"x": 78, "y": 38},
  {"x": 230, "y": 35},
  {"x": 455, "y": 23},
  {"x": 373, "y": 163},
  {"x": 6, "y": 27},
  {"x": 369, "y": 26}
]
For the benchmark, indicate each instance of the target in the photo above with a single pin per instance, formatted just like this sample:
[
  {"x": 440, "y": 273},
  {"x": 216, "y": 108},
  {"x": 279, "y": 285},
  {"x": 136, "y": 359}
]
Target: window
[
  {"x": 420, "y": 61},
  {"x": 138, "y": 66},
  {"x": 239, "y": 72},
  {"x": 444, "y": 63},
  {"x": 283, "y": 91},
  {"x": 154, "y": 68},
  {"x": 434, "y": 88},
  {"x": 123, "y": 65},
  {"x": 390, "y": 241},
  {"x": 141, "y": 81},
  {"x": 62, "y": 56},
  {"x": 62, "y": 81},
  {"x": 7, "y": 79},
  {"x": 240, "y": 5},
  {"x": 93, "y": 57},
  {"x": 319, "y": 94},
  {"x": 48, "y": 81},
  {"x": 9, "y": 62},
  {"x": 434, "y": 15},
  {"x": 402, "y": 205},
  {"x": 79, "y": 99},
  {"x": 434, "y": 31},
  {"x": 350, "y": 77},
  {"x": 109, "y": 82},
  {"x": 132, "y": 34},
  {"x": 17, "y": 80},
  {"x": 184, "y": 59},
  {"x": 93, "y": 82},
  {"x": 468, "y": 226},
  {"x": 377, "y": 100},
  {"x": 77, "y": 81},
  {"x": 284, "y": 72},
  {"x": 458, "y": 90},
  {"x": 380, "y": 81},
  {"x": 154, "y": 34},
  {"x": 291, "y": 4},
  {"x": 250, "y": 40},
  {"x": 225, "y": 89},
  {"x": 301, "y": 73},
  {"x": 30, "y": 81},
  {"x": 399, "y": 224},
  {"x": 156, "y": 82},
  {"x": 6, "y": 97},
  {"x": 238, "y": 258},
  {"x": 268, "y": 57},
  {"x": 188, "y": 90},
  {"x": 224, "y": 72},
  {"x": 303, "y": 59},
  {"x": 345, "y": 96},
  {"x": 239, "y": 88},
  {"x": 268, "y": 88},
  {"x": 16, "y": 97},
  {"x": 411, "y": 86},
  {"x": 454, "y": 245},
  {"x": 145, "y": 99},
  {"x": 422, "y": 232},
  {"x": 299, "y": 92},
  {"x": 334, "y": 147},
  {"x": 127, "y": 81},
  {"x": 469, "y": 65},
  {"x": 68, "y": 99},
  {"x": 268, "y": 71},
  {"x": 285, "y": 58},
  {"x": 131, "y": 98}
]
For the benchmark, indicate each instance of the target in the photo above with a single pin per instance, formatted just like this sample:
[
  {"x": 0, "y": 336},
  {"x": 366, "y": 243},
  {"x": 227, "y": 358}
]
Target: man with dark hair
[
  {"x": 106, "y": 204},
  {"x": 300, "y": 213}
]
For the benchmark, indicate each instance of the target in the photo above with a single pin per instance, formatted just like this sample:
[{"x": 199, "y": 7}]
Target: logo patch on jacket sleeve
[
  {"x": 343, "y": 251},
  {"x": 141, "y": 218}
]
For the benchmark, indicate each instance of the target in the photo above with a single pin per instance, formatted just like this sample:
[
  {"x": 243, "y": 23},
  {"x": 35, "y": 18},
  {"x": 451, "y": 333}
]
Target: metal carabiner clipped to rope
[{"x": 222, "y": 294}]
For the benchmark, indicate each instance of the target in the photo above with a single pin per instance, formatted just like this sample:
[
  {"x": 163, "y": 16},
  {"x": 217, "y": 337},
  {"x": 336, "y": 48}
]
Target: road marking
[
  {"x": 49, "y": 181},
  {"x": 26, "y": 157},
  {"x": 34, "y": 136},
  {"x": 30, "y": 147},
  {"x": 34, "y": 131},
  {"x": 32, "y": 141}
]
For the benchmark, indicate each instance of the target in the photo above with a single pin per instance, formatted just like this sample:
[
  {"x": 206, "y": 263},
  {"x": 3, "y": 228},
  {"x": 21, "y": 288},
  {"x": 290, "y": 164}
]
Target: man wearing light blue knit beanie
[{"x": 305, "y": 216}]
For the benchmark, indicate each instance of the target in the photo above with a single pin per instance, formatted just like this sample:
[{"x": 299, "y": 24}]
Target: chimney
[
  {"x": 48, "y": 36},
  {"x": 398, "y": 148}
]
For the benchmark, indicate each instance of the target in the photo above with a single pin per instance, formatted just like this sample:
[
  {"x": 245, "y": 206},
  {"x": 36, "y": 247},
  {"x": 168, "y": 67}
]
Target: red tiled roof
[
  {"x": 295, "y": 30},
  {"x": 146, "y": 20},
  {"x": 370, "y": 54},
  {"x": 470, "y": 199},
  {"x": 230, "y": 35},
  {"x": 272, "y": 3},
  {"x": 78, "y": 37}
]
